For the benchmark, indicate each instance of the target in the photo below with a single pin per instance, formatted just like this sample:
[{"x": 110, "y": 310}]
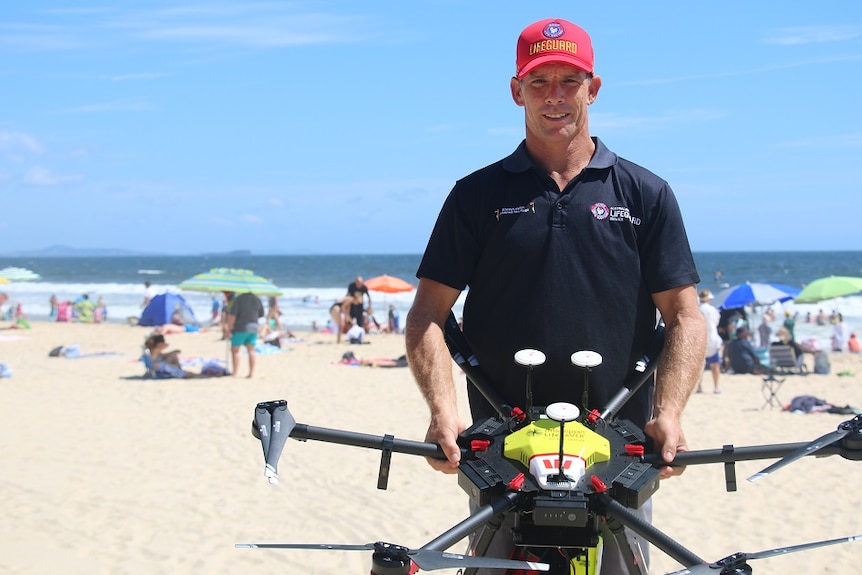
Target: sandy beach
[{"x": 103, "y": 471}]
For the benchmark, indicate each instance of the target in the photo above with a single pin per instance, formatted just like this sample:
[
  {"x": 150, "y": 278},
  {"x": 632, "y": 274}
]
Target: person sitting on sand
[
  {"x": 165, "y": 364},
  {"x": 743, "y": 357}
]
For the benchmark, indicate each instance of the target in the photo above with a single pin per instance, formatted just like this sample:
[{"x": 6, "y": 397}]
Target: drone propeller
[
  {"x": 427, "y": 559},
  {"x": 845, "y": 428},
  {"x": 736, "y": 563},
  {"x": 272, "y": 424}
]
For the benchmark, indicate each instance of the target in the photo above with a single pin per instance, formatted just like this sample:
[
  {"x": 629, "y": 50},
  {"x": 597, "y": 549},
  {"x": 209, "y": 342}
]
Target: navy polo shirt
[{"x": 560, "y": 271}]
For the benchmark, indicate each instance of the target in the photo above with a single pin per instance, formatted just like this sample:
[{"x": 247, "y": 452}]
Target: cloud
[
  {"x": 43, "y": 177},
  {"x": 801, "y": 35},
  {"x": 263, "y": 24},
  {"x": 14, "y": 144}
]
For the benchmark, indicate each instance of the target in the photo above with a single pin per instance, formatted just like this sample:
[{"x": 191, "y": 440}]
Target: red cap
[{"x": 553, "y": 40}]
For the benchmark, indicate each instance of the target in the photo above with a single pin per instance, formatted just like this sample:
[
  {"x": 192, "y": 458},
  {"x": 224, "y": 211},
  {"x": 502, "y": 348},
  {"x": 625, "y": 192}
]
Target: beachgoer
[
  {"x": 340, "y": 312},
  {"x": 101, "y": 311},
  {"x": 55, "y": 304},
  {"x": 565, "y": 247},
  {"x": 711, "y": 316},
  {"x": 149, "y": 294},
  {"x": 839, "y": 333},
  {"x": 355, "y": 333},
  {"x": 394, "y": 319},
  {"x": 245, "y": 311},
  {"x": 216, "y": 309},
  {"x": 785, "y": 338},
  {"x": 85, "y": 309},
  {"x": 273, "y": 315},
  {"x": 165, "y": 363},
  {"x": 359, "y": 307},
  {"x": 790, "y": 322},
  {"x": 853, "y": 344},
  {"x": 743, "y": 357}
]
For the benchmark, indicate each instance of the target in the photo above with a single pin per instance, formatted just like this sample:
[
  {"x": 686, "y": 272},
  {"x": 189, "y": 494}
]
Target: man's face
[{"x": 555, "y": 99}]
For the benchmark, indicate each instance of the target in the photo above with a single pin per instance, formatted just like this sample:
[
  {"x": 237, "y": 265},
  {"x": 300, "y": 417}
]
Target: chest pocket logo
[{"x": 528, "y": 209}]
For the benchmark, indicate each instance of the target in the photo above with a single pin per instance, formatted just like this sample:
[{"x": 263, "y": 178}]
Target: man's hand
[
  {"x": 444, "y": 431},
  {"x": 669, "y": 439}
]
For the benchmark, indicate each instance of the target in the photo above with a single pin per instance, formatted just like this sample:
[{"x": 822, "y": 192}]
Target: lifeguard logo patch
[
  {"x": 600, "y": 210},
  {"x": 553, "y": 30}
]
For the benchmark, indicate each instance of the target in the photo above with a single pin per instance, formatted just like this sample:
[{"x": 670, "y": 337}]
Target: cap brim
[{"x": 554, "y": 59}]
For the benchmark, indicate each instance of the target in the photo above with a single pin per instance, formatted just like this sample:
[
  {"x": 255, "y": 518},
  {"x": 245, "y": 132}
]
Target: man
[
  {"x": 743, "y": 356},
  {"x": 243, "y": 315},
  {"x": 565, "y": 247},
  {"x": 357, "y": 310},
  {"x": 711, "y": 317}
]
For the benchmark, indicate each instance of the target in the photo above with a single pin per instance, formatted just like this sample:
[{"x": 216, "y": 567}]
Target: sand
[{"x": 102, "y": 471}]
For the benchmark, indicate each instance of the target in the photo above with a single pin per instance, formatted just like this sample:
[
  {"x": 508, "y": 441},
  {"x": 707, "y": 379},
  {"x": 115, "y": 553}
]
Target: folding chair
[
  {"x": 769, "y": 387},
  {"x": 783, "y": 360}
]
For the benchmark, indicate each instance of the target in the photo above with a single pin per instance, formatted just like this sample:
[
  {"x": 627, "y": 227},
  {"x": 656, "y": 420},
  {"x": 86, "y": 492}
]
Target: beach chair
[{"x": 783, "y": 360}]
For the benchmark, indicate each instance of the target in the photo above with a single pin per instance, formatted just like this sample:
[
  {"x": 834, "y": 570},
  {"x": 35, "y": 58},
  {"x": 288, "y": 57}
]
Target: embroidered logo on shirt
[
  {"x": 529, "y": 208},
  {"x": 600, "y": 211},
  {"x": 615, "y": 214}
]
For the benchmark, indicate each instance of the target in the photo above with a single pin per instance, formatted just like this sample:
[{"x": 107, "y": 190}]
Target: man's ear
[
  {"x": 595, "y": 86},
  {"x": 515, "y": 87}
]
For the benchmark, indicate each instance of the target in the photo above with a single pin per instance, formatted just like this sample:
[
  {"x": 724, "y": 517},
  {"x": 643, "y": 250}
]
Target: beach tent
[{"x": 161, "y": 308}]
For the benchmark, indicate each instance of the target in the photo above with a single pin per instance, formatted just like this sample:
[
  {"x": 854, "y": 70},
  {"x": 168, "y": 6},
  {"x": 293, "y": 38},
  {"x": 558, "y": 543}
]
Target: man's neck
[{"x": 563, "y": 161}]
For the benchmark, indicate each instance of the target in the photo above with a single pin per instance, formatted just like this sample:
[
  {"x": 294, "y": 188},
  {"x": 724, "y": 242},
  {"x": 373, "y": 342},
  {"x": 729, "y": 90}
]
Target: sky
[{"x": 321, "y": 127}]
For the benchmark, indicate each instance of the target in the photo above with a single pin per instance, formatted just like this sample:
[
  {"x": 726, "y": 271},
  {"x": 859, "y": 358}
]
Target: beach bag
[{"x": 821, "y": 364}]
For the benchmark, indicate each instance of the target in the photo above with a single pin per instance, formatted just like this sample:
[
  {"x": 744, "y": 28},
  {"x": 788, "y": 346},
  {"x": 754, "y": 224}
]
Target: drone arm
[
  {"x": 432, "y": 450},
  {"x": 463, "y": 355},
  {"x": 706, "y": 456},
  {"x": 643, "y": 369},
  {"x": 483, "y": 515},
  {"x": 618, "y": 511}
]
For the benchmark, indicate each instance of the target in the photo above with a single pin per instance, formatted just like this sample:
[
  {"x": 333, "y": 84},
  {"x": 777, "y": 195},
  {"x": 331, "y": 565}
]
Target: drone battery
[
  {"x": 635, "y": 484},
  {"x": 561, "y": 512},
  {"x": 480, "y": 481}
]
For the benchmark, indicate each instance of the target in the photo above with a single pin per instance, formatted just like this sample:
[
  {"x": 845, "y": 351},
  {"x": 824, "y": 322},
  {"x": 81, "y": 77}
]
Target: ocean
[{"x": 310, "y": 283}]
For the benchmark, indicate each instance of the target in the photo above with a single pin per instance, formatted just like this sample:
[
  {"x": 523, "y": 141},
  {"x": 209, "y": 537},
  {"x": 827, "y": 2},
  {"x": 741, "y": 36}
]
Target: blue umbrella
[{"x": 753, "y": 294}]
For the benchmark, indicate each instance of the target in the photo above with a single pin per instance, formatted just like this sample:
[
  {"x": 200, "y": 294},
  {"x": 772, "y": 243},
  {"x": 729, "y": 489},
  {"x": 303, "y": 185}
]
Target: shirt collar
[{"x": 520, "y": 160}]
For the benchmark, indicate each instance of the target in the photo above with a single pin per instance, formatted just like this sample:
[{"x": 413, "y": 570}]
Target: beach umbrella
[
  {"x": 828, "y": 288},
  {"x": 230, "y": 280},
  {"x": 753, "y": 294},
  {"x": 14, "y": 274},
  {"x": 388, "y": 284}
]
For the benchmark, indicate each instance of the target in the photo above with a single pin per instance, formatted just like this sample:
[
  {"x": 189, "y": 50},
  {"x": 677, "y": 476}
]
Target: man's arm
[
  {"x": 679, "y": 369},
  {"x": 431, "y": 364}
]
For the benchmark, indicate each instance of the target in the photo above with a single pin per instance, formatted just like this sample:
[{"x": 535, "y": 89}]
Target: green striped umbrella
[
  {"x": 230, "y": 280},
  {"x": 19, "y": 274}
]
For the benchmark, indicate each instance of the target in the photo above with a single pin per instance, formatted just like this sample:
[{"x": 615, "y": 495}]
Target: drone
[{"x": 568, "y": 477}]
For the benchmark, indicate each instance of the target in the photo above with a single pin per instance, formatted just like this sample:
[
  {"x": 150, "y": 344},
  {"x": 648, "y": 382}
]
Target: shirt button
[{"x": 559, "y": 206}]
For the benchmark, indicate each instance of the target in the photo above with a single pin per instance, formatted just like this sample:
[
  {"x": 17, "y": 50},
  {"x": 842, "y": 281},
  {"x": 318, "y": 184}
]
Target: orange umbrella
[{"x": 388, "y": 284}]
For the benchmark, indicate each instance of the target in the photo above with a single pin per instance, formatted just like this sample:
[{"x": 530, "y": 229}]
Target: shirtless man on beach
[{"x": 565, "y": 247}]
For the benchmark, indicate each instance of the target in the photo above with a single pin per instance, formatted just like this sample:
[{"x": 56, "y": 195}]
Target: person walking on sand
[
  {"x": 243, "y": 315},
  {"x": 585, "y": 245},
  {"x": 711, "y": 317}
]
